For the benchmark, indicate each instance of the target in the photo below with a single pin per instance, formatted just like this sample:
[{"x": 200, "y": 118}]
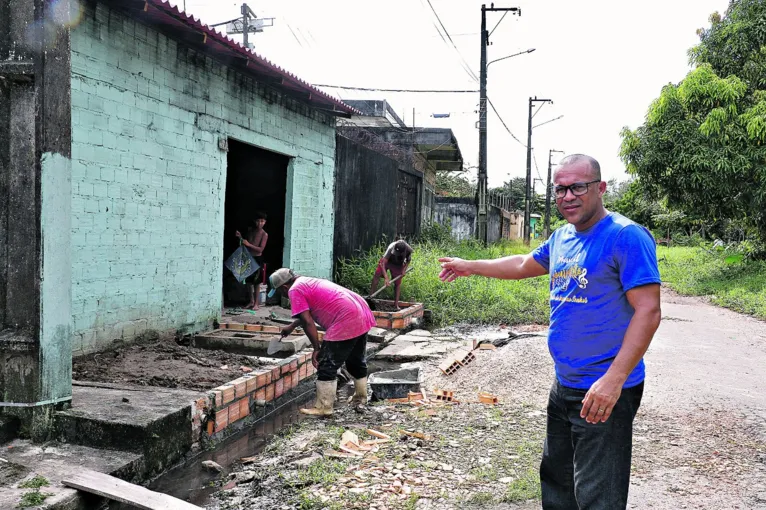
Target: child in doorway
[{"x": 255, "y": 241}]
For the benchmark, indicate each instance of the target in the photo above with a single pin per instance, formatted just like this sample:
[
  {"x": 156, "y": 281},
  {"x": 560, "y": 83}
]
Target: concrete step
[
  {"x": 23, "y": 460},
  {"x": 153, "y": 422}
]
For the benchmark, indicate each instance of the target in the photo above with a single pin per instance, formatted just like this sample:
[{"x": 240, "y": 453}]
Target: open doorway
[{"x": 256, "y": 181}]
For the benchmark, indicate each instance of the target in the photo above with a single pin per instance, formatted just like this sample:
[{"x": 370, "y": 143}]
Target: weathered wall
[
  {"x": 365, "y": 198},
  {"x": 148, "y": 178},
  {"x": 494, "y": 224},
  {"x": 460, "y": 213}
]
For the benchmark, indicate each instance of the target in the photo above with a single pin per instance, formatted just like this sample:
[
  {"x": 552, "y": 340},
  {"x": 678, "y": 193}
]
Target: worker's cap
[{"x": 279, "y": 278}]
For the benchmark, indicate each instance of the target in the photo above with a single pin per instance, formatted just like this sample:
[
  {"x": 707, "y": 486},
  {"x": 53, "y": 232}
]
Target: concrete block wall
[{"x": 149, "y": 179}]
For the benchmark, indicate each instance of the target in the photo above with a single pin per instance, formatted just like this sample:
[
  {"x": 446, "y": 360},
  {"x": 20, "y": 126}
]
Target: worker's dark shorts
[
  {"x": 332, "y": 355},
  {"x": 394, "y": 270}
]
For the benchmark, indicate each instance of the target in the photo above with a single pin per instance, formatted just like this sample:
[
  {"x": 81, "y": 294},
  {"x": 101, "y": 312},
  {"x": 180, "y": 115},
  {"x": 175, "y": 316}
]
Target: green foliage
[
  {"x": 33, "y": 498},
  {"x": 474, "y": 299},
  {"x": 449, "y": 185},
  {"x": 727, "y": 276},
  {"x": 701, "y": 151},
  {"x": 433, "y": 232},
  {"x": 35, "y": 483}
]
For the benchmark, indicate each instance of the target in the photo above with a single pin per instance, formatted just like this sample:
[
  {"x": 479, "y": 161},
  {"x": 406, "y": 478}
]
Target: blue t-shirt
[{"x": 591, "y": 271}]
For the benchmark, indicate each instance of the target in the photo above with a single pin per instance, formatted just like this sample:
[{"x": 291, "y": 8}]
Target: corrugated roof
[{"x": 190, "y": 30}]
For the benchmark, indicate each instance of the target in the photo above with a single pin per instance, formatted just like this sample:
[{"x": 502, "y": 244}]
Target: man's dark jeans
[
  {"x": 587, "y": 466},
  {"x": 332, "y": 355}
]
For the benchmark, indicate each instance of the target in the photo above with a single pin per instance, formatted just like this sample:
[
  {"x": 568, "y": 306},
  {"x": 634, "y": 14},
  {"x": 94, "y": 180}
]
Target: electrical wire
[
  {"x": 534, "y": 157},
  {"x": 416, "y": 91},
  {"x": 498, "y": 24},
  {"x": 466, "y": 66},
  {"x": 504, "y": 125}
]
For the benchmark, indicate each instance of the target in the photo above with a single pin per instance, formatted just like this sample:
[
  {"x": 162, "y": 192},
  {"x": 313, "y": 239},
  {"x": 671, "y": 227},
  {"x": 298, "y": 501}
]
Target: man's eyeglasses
[{"x": 577, "y": 189}]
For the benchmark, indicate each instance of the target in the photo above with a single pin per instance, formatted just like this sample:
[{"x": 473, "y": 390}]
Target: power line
[
  {"x": 498, "y": 23},
  {"x": 417, "y": 91},
  {"x": 503, "y": 122},
  {"x": 534, "y": 157},
  {"x": 465, "y": 64}
]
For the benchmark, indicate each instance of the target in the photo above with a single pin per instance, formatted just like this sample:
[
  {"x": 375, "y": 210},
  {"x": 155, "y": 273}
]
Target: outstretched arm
[{"x": 515, "y": 267}]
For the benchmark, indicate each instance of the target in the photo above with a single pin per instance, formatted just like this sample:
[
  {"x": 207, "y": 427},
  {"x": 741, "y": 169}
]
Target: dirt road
[{"x": 700, "y": 436}]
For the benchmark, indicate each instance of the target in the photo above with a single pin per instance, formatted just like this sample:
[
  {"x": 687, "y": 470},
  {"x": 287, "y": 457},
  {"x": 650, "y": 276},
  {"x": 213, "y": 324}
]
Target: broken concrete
[
  {"x": 380, "y": 335},
  {"x": 414, "y": 348},
  {"x": 22, "y": 460}
]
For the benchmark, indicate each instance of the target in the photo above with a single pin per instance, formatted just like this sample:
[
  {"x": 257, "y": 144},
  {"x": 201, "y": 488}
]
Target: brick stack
[{"x": 238, "y": 399}]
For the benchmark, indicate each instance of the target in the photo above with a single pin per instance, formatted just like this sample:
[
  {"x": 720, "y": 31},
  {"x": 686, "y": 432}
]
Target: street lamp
[{"x": 530, "y": 50}]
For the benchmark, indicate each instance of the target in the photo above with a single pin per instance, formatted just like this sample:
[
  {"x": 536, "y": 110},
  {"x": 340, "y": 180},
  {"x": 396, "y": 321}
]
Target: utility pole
[
  {"x": 250, "y": 23},
  {"x": 548, "y": 195},
  {"x": 481, "y": 191},
  {"x": 527, "y": 202}
]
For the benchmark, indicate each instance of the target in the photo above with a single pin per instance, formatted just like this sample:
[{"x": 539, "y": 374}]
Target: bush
[
  {"x": 726, "y": 276},
  {"x": 473, "y": 300}
]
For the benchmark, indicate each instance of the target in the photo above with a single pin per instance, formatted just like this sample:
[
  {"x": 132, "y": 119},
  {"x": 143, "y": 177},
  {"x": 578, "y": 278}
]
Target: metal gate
[{"x": 408, "y": 205}]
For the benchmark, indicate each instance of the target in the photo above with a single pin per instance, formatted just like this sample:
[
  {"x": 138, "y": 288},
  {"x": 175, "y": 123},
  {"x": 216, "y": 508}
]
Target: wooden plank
[{"x": 119, "y": 490}]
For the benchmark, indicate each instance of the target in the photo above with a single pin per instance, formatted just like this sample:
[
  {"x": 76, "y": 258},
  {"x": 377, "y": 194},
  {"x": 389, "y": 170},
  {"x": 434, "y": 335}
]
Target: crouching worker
[{"x": 346, "y": 319}]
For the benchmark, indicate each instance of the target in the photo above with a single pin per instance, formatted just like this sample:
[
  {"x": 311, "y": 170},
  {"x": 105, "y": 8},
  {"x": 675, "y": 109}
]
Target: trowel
[{"x": 275, "y": 345}]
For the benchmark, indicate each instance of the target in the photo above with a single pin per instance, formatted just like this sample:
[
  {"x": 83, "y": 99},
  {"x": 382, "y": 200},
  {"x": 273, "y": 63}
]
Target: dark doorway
[
  {"x": 408, "y": 211},
  {"x": 256, "y": 180}
]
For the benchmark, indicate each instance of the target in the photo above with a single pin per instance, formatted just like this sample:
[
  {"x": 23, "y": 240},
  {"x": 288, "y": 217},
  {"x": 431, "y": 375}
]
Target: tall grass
[
  {"x": 473, "y": 300},
  {"x": 726, "y": 278}
]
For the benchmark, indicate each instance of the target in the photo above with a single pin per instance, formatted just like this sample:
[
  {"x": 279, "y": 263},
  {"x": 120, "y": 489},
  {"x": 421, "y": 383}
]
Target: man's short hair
[
  {"x": 576, "y": 158},
  {"x": 260, "y": 215}
]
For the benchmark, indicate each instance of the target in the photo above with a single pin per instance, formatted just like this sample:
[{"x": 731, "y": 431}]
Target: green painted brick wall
[{"x": 148, "y": 178}]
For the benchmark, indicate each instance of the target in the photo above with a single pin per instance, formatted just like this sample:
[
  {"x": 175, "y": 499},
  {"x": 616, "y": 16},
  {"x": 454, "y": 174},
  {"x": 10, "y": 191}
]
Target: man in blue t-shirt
[{"x": 605, "y": 309}]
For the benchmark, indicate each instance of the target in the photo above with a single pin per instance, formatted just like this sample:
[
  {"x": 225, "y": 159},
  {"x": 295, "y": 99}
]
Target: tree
[
  {"x": 701, "y": 149},
  {"x": 449, "y": 185}
]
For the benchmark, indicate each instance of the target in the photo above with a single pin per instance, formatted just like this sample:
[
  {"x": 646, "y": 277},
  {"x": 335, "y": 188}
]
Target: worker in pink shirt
[{"x": 346, "y": 319}]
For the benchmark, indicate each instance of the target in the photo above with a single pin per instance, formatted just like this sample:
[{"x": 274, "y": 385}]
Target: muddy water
[{"x": 190, "y": 482}]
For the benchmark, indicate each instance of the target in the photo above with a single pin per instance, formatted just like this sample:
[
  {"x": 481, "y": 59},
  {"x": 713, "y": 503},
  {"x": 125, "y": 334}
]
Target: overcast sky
[{"x": 601, "y": 61}]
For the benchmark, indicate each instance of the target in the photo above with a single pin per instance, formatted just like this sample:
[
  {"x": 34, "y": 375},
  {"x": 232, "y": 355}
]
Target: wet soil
[{"x": 162, "y": 362}]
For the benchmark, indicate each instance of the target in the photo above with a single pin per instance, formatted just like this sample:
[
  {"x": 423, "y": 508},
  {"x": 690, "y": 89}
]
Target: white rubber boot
[
  {"x": 325, "y": 399},
  {"x": 359, "y": 398}
]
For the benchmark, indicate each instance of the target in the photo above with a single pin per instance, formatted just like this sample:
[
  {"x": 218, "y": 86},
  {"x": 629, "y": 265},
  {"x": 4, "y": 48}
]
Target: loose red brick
[
  {"x": 279, "y": 388},
  {"x": 221, "y": 419},
  {"x": 296, "y": 379},
  {"x": 240, "y": 387},
  {"x": 270, "y": 392},
  {"x": 260, "y": 395},
  {"x": 244, "y": 408}
]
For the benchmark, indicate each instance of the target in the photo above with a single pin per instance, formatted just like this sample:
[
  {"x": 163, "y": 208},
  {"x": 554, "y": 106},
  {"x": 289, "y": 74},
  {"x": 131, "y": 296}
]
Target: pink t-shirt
[{"x": 343, "y": 314}]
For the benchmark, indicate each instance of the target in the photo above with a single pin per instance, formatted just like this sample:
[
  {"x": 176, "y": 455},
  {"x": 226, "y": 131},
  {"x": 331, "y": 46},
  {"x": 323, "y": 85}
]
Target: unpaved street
[{"x": 700, "y": 436}]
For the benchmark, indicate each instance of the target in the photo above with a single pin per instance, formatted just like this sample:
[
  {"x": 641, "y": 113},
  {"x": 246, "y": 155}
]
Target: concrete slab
[
  {"x": 155, "y": 422},
  {"x": 419, "y": 332},
  {"x": 245, "y": 342},
  {"x": 22, "y": 460},
  {"x": 414, "y": 348}
]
